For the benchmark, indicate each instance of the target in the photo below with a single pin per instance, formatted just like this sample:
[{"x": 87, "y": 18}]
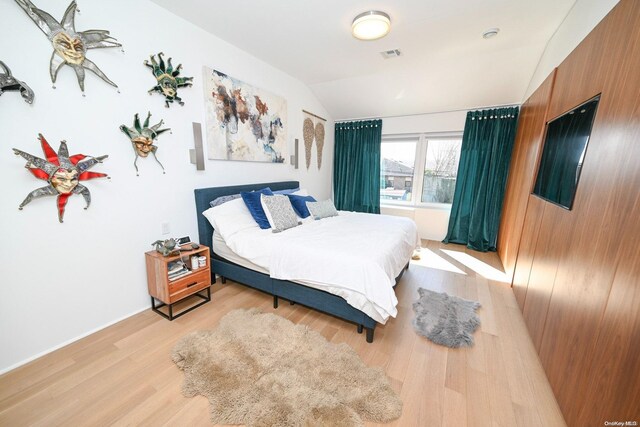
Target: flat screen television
[{"x": 563, "y": 152}]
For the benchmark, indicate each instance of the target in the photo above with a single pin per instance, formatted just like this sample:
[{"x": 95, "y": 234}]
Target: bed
[{"x": 315, "y": 294}]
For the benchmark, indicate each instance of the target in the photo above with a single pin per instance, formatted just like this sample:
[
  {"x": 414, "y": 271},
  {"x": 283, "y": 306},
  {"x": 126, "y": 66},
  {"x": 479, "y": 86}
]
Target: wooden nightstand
[{"x": 169, "y": 292}]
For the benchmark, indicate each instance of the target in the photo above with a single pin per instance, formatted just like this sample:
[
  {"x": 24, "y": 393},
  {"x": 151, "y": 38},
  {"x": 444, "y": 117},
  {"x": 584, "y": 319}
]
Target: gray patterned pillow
[
  {"x": 323, "y": 209},
  {"x": 279, "y": 211},
  {"x": 223, "y": 199}
]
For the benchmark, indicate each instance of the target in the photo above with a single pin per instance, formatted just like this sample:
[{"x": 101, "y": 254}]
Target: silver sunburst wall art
[
  {"x": 143, "y": 137},
  {"x": 62, "y": 172},
  {"x": 70, "y": 46}
]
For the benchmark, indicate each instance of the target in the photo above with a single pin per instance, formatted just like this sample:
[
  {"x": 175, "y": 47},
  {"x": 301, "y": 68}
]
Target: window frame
[
  {"x": 391, "y": 139},
  {"x": 420, "y": 160}
]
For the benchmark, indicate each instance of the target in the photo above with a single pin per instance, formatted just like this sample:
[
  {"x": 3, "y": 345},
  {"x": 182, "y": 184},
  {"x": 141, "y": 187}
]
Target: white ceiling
[{"x": 445, "y": 63}]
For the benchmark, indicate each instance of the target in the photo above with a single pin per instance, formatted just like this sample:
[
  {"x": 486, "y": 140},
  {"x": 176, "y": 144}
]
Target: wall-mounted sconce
[
  {"x": 196, "y": 155},
  {"x": 294, "y": 157}
]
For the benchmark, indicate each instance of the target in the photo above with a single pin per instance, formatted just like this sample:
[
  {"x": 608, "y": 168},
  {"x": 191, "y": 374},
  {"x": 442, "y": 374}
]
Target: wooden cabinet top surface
[{"x": 203, "y": 250}]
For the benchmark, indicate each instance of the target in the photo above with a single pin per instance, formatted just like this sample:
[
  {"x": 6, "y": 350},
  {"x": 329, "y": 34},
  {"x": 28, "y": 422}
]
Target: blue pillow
[
  {"x": 252, "y": 200},
  {"x": 299, "y": 204},
  {"x": 289, "y": 191}
]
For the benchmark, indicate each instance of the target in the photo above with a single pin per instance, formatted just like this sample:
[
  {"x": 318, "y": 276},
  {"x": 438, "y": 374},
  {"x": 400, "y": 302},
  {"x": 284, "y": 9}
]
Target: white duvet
[{"x": 358, "y": 252}]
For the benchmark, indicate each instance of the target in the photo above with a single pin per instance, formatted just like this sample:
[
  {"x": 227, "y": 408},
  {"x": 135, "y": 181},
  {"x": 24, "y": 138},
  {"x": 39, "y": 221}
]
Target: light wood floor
[{"x": 123, "y": 375}]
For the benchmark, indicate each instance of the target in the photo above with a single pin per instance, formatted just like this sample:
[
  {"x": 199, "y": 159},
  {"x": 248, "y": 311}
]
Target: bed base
[
  {"x": 370, "y": 331},
  {"x": 295, "y": 293},
  {"x": 275, "y": 301}
]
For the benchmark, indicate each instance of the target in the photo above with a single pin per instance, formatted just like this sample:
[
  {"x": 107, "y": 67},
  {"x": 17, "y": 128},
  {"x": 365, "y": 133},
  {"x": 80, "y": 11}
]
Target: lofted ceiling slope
[{"x": 445, "y": 63}]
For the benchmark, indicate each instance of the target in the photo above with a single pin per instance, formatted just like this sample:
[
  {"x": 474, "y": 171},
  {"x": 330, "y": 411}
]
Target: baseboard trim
[{"x": 71, "y": 341}]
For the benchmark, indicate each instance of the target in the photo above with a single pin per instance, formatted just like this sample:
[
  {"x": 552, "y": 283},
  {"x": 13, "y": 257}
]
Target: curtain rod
[
  {"x": 314, "y": 115},
  {"x": 435, "y": 112}
]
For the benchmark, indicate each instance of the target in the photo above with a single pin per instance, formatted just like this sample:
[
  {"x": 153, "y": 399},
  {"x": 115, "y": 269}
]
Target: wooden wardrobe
[{"x": 576, "y": 273}]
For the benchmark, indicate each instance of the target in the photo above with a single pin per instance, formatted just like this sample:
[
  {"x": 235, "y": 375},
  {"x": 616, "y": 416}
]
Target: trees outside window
[{"x": 421, "y": 165}]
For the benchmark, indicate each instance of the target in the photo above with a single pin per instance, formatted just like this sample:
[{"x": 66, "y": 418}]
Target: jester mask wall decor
[
  {"x": 167, "y": 79},
  {"x": 9, "y": 83},
  {"x": 62, "y": 173},
  {"x": 142, "y": 138},
  {"x": 70, "y": 47}
]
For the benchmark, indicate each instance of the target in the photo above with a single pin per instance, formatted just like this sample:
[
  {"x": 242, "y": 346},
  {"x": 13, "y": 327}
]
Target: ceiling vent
[{"x": 393, "y": 53}]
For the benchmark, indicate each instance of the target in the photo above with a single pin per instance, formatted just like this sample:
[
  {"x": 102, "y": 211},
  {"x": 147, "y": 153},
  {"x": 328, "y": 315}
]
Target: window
[
  {"x": 397, "y": 165},
  {"x": 419, "y": 169},
  {"x": 440, "y": 170}
]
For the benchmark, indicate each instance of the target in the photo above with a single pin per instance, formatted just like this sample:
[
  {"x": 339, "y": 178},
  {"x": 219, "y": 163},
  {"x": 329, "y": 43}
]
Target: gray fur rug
[{"x": 445, "y": 319}]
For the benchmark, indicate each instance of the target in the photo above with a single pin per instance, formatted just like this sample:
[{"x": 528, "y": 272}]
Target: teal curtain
[
  {"x": 487, "y": 143},
  {"x": 356, "y": 166}
]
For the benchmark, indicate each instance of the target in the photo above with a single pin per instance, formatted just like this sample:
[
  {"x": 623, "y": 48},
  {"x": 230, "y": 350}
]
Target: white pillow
[{"x": 230, "y": 218}]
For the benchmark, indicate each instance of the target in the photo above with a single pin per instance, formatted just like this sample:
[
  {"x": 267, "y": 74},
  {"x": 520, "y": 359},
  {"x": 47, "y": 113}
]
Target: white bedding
[
  {"x": 354, "y": 299},
  {"x": 354, "y": 255}
]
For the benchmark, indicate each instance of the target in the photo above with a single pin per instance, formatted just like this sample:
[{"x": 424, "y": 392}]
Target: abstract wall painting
[
  {"x": 243, "y": 123},
  {"x": 62, "y": 173},
  {"x": 70, "y": 47}
]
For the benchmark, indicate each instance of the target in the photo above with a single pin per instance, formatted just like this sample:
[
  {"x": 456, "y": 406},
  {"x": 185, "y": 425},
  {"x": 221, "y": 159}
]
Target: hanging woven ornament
[
  {"x": 308, "y": 134},
  {"x": 319, "y": 141}
]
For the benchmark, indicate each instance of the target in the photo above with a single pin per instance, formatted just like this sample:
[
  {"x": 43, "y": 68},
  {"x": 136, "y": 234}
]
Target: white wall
[
  {"x": 432, "y": 222},
  {"x": 451, "y": 121},
  {"x": 62, "y": 281},
  {"x": 581, "y": 19},
  {"x": 578, "y": 23}
]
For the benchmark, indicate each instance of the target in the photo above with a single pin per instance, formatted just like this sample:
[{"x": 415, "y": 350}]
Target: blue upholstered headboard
[{"x": 206, "y": 195}]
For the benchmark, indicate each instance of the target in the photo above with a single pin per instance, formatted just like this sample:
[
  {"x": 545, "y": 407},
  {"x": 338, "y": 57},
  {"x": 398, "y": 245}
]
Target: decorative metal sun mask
[
  {"x": 62, "y": 172},
  {"x": 167, "y": 78},
  {"x": 143, "y": 137},
  {"x": 9, "y": 83},
  {"x": 70, "y": 47}
]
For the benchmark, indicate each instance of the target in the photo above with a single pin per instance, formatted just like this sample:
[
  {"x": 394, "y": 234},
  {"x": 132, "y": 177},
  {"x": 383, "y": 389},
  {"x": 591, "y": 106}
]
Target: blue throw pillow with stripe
[
  {"x": 252, "y": 200},
  {"x": 299, "y": 204}
]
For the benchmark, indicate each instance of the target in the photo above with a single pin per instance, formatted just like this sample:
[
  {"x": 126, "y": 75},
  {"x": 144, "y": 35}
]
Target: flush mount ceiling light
[
  {"x": 491, "y": 32},
  {"x": 371, "y": 25}
]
